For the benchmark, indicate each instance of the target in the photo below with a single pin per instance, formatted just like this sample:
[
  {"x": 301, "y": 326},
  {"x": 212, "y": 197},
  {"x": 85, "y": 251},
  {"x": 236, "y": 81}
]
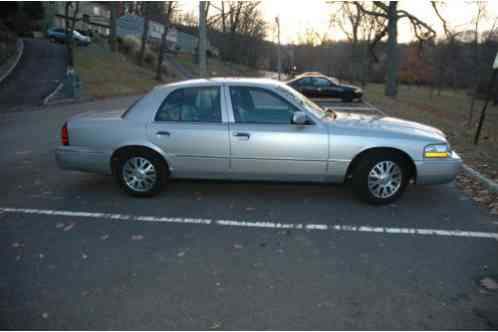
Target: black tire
[
  {"x": 366, "y": 165},
  {"x": 159, "y": 166}
]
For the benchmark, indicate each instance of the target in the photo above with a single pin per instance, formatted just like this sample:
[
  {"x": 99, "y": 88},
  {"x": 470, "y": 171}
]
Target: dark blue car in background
[{"x": 59, "y": 35}]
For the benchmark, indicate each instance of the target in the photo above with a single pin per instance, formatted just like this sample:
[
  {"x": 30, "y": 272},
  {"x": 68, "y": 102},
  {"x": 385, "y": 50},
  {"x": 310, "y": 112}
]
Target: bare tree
[
  {"x": 70, "y": 22},
  {"x": 359, "y": 30},
  {"x": 481, "y": 13},
  {"x": 145, "y": 32},
  {"x": 170, "y": 7},
  {"x": 445, "y": 48},
  {"x": 237, "y": 19},
  {"x": 392, "y": 14},
  {"x": 203, "y": 12}
]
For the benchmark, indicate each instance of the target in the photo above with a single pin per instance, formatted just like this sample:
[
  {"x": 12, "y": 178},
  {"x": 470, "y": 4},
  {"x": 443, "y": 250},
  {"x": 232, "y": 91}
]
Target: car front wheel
[
  {"x": 380, "y": 178},
  {"x": 140, "y": 174}
]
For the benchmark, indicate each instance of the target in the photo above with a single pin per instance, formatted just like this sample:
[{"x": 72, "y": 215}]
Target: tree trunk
[
  {"x": 69, "y": 28},
  {"x": 471, "y": 110},
  {"x": 365, "y": 64},
  {"x": 162, "y": 50},
  {"x": 391, "y": 89},
  {"x": 112, "y": 33},
  {"x": 202, "y": 40},
  {"x": 145, "y": 34}
]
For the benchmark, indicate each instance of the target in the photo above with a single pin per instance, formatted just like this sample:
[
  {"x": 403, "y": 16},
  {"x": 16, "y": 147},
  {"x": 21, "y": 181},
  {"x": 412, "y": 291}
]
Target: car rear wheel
[
  {"x": 140, "y": 174},
  {"x": 380, "y": 178}
]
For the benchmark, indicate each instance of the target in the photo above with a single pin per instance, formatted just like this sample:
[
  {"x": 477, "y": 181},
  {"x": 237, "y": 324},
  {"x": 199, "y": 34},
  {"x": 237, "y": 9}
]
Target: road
[
  {"x": 41, "y": 68},
  {"x": 199, "y": 256}
]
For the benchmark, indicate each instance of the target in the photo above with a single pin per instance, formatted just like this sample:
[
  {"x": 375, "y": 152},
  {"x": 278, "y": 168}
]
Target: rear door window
[{"x": 200, "y": 104}]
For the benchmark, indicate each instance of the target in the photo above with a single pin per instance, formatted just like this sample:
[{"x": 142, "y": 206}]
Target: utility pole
[
  {"x": 279, "y": 59},
  {"x": 202, "y": 39}
]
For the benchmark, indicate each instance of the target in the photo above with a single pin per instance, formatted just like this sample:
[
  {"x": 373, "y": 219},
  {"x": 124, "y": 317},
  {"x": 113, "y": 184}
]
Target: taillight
[{"x": 65, "y": 135}]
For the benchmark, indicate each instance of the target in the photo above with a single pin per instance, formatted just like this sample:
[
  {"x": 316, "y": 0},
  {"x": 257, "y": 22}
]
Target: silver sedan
[{"x": 253, "y": 129}]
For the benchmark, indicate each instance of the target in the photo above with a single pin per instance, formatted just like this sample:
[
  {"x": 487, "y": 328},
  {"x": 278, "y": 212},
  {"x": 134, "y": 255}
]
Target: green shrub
[
  {"x": 150, "y": 57},
  {"x": 130, "y": 45}
]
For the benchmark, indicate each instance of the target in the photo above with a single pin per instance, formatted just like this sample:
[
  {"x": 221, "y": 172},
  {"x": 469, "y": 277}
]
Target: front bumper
[
  {"x": 438, "y": 171},
  {"x": 82, "y": 159}
]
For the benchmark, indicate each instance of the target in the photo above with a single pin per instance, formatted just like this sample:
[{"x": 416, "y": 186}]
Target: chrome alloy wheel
[
  {"x": 384, "y": 180},
  {"x": 139, "y": 174}
]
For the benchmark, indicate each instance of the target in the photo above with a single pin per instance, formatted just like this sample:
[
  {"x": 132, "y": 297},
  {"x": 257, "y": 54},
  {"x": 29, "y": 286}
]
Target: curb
[
  {"x": 47, "y": 99},
  {"x": 20, "y": 51},
  {"x": 487, "y": 182}
]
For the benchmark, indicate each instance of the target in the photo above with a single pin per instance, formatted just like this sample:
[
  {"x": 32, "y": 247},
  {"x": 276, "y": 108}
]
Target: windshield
[{"x": 302, "y": 100}]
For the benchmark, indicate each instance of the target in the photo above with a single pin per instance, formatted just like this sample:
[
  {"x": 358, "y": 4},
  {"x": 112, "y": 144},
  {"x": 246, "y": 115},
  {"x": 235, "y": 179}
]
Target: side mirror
[{"x": 299, "y": 118}]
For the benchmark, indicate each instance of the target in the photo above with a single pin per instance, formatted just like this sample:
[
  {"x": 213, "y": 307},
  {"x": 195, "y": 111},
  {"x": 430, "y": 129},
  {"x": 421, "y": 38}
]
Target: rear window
[{"x": 131, "y": 107}]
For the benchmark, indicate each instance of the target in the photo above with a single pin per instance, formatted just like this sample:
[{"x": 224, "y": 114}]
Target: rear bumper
[
  {"x": 438, "y": 171},
  {"x": 82, "y": 159}
]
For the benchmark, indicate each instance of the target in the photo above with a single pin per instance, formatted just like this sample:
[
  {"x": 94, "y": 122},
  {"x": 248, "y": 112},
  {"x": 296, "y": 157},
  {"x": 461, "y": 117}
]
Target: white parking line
[{"x": 254, "y": 224}]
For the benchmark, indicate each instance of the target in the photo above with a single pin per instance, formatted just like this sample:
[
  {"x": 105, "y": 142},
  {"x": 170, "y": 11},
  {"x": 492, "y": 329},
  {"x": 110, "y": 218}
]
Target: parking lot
[{"x": 78, "y": 253}]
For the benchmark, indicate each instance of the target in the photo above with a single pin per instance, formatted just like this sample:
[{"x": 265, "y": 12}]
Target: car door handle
[
  {"x": 163, "y": 133},
  {"x": 242, "y": 136}
]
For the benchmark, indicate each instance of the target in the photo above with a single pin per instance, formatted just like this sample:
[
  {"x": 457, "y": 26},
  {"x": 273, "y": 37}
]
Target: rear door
[
  {"x": 265, "y": 144},
  {"x": 191, "y": 127},
  {"x": 305, "y": 86},
  {"x": 324, "y": 88}
]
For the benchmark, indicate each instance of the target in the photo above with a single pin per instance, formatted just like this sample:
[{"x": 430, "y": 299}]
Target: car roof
[{"x": 220, "y": 80}]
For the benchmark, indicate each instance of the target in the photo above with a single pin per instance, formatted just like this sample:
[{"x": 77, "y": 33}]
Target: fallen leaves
[
  {"x": 69, "y": 227},
  {"x": 137, "y": 237},
  {"x": 215, "y": 325},
  {"x": 238, "y": 246},
  {"x": 104, "y": 237},
  {"x": 473, "y": 188},
  {"x": 489, "y": 284}
]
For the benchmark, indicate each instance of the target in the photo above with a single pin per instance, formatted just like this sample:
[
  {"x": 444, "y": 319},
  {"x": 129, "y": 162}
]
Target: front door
[
  {"x": 266, "y": 145},
  {"x": 189, "y": 127}
]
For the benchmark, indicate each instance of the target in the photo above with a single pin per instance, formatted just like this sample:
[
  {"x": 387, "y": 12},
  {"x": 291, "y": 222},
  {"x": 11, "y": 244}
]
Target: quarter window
[
  {"x": 191, "y": 105},
  {"x": 256, "y": 105}
]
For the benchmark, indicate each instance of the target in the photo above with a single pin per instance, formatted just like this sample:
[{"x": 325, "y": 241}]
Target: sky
[{"x": 297, "y": 16}]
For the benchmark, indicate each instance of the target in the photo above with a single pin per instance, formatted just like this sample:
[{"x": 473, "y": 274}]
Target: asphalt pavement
[
  {"x": 229, "y": 255},
  {"x": 41, "y": 68}
]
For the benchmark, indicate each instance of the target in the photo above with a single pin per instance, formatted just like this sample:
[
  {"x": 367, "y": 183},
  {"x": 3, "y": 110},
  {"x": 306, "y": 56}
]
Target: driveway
[
  {"x": 76, "y": 253},
  {"x": 41, "y": 68}
]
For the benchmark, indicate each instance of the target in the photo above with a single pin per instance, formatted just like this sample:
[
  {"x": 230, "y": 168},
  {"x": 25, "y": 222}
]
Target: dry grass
[
  {"x": 217, "y": 68},
  {"x": 449, "y": 112},
  {"x": 107, "y": 74}
]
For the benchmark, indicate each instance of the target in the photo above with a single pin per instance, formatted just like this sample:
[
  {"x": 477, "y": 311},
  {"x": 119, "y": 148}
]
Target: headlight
[{"x": 437, "y": 151}]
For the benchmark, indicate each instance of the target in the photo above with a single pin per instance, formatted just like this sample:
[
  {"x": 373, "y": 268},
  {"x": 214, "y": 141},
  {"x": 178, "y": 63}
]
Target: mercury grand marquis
[{"x": 253, "y": 129}]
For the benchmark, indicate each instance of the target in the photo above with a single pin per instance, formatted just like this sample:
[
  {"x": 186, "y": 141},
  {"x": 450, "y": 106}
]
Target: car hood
[{"x": 388, "y": 125}]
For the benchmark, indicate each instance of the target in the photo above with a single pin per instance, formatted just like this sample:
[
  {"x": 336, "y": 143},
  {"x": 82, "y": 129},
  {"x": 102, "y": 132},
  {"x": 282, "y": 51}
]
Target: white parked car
[{"x": 253, "y": 129}]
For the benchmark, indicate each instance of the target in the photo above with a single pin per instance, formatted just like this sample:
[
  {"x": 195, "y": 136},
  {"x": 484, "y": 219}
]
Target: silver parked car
[{"x": 253, "y": 129}]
